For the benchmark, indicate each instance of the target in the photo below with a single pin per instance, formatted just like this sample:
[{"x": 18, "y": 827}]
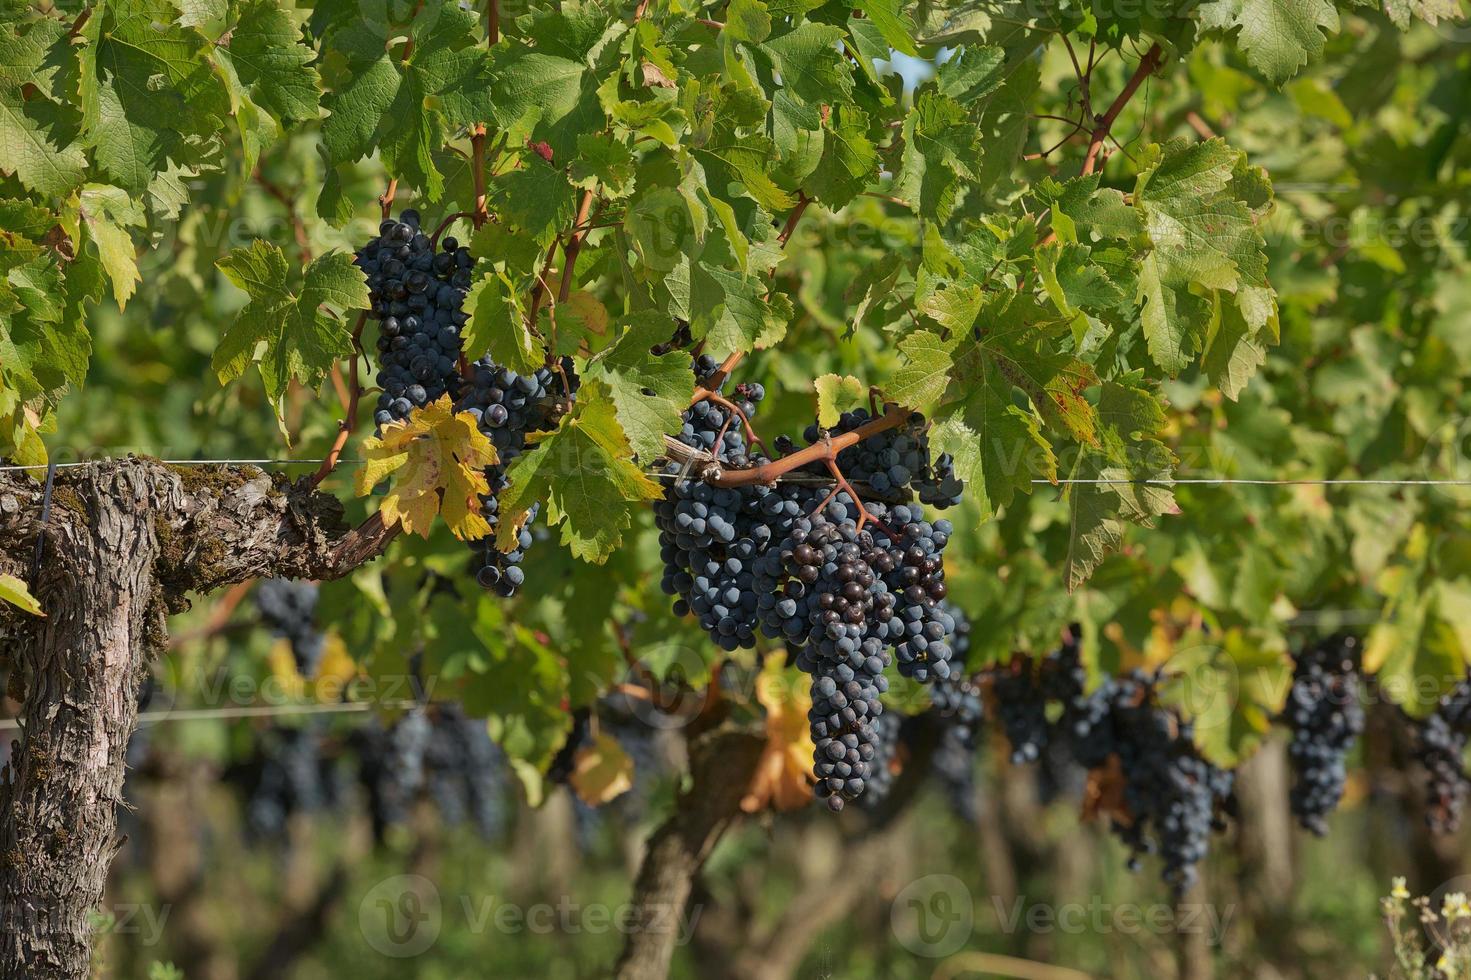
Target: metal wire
[
  {"x": 247, "y": 711},
  {"x": 824, "y": 480},
  {"x": 181, "y": 462}
]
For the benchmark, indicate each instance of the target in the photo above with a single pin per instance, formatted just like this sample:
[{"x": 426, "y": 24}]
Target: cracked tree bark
[
  {"x": 125, "y": 542},
  {"x": 721, "y": 765}
]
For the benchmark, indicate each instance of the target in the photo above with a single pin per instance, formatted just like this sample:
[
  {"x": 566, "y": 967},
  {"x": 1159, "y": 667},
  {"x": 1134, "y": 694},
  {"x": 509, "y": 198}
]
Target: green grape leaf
[
  {"x": 746, "y": 159},
  {"x": 1128, "y": 415},
  {"x": 837, "y": 394},
  {"x": 810, "y": 59},
  {"x": 148, "y": 92},
  {"x": 929, "y": 363},
  {"x": 974, "y": 73},
  {"x": 998, "y": 447},
  {"x": 538, "y": 199},
  {"x": 32, "y": 147},
  {"x": 850, "y": 161},
  {"x": 1234, "y": 349},
  {"x": 1098, "y": 511},
  {"x": 940, "y": 144},
  {"x": 586, "y": 472},
  {"x": 498, "y": 326},
  {"x": 603, "y": 162},
  {"x": 108, "y": 213},
  {"x": 289, "y": 335},
  {"x": 729, "y": 310},
  {"x": 1076, "y": 284},
  {"x": 1278, "y": 36},
  {"x": 1230, "y": 687},
  {"x": 29, "y": 152},
  {"x": 648, "y": 391},
  {"x": 892, "y": 22},
  {"x": 407, "y": 107},
  {"x": 1202, "y": 240},
  {"x": 1430, "y": 11},
  {"x": 271, "y": 60}
]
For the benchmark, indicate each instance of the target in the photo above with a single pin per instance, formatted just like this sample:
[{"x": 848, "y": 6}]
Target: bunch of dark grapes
[
  {"x": 922, "y": 650},
  {"x": 1171, "y": 791},
  {"x": 416, "y": 296},
  {"x": 1440, "y": 746},
  {"x": 822, "y": 589},
  {"x": 289, "y": 609},
  {"x": 288, "y": 774},
  {"x": 710, "y": 537},
  {"x": 1021, "y": 704},
  {"x": 896, "y": 464},
  {"x": 1174, "y": 797},
  {"x": 508, "y": 407},
  {"x": 789, "y": 560},
  {"x": 466, "y": 773},
  {"x": 960, "y": 708},
  {"x": 391, "y": 762},
  {"x": 886, "y": 762},
  {"x": 1326, "y": 718}
]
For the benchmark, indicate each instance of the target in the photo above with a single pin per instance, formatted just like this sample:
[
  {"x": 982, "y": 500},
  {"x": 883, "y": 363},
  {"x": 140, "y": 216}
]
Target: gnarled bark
[
  {"x": 124, "y": 542},
  {"x": 721, "y": 765}
]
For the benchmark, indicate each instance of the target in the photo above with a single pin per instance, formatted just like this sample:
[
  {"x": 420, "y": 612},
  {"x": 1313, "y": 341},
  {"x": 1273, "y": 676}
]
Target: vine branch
[
  {"x": 1151, "y": 60},
  {"x": 819, "y": 452},
  {"x": 350, "y": 415}
]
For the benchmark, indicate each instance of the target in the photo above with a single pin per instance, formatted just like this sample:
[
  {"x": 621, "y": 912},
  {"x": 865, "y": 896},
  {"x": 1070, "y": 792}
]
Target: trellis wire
[
  {"x": 822, "y": 479},
  {"x": 249, "y": 711}
]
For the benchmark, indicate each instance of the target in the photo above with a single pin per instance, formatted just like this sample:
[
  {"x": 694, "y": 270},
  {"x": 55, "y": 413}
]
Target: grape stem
[
  {"x": 443, "y": 225},
  {"x": 1151, "y": 60},
  {"x": 786, "y": 233},
  {"x": 385, "y": 200},
  {"x": 349, "y": 417},
  {"x": 864, "y": 517},
  {"x": 825, "y": 451},
  {"x": 574, "y": 245},
  {"x": 298, "y": 227},
  {"x": 1147, "y": 65},
  {"x": 477, "y": 168}
]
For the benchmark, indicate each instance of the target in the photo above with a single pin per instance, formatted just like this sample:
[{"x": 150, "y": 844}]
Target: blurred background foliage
[{"x": 1370, "y": 155}]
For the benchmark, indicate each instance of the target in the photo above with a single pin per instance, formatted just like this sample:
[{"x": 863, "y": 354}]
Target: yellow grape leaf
[
  {"x": 336, "y": 671},
  {"x": 281, "y": 663},
  {"x": 442, "y": 456},
  {"x": 783, "y": 778},
  {"x": 836, "y": 394},
  {"x": 602, "y": 771},
  {"x": 15, "y": 592}
]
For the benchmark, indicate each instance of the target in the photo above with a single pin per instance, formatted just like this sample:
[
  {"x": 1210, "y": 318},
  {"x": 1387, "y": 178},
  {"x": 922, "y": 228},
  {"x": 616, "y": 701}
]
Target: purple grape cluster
[
  {"x": 1440, "y": 747},
  {"x": 508, "y": 407},
  {"x": 1326, "y": 719},
  {"x": 416, "y": 295}
]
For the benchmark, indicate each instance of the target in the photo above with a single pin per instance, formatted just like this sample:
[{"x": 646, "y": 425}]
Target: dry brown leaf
[
  {"x": 783, "y": 778},
  {"x": 601, "y": 771}
]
